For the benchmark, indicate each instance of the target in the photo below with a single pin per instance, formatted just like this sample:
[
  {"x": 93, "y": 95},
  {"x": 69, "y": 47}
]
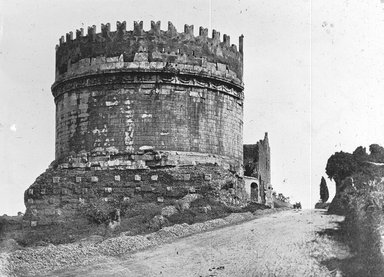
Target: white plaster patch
[
  {"x": 128, "y": 138},
  {"x": 111, "y": 103},
  {"x": 105, "y": 129},
  {"x": 112, "y": 59},
  {"x": 146, "y": 115},
  {"x": 146, "y": 147},
  {"x": 160, "y": 199},
  {"x": 112, "y": 149},
  {"x": 194, "y": 94}
]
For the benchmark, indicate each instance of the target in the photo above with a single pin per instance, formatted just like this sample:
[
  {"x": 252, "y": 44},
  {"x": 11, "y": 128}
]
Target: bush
[{"x": 99, "y": 211}]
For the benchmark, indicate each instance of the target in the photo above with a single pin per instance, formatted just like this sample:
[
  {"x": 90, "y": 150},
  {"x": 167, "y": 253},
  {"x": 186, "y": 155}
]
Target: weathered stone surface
[
  {"x": 142, "y": 116},
  {"x": 53, "y": 205},
  {"x": 197, "y": 109},
  {"x": 157, "y": 222},
  {"x": 257, "y": 164},
  {"x": 168, "y": 210}
]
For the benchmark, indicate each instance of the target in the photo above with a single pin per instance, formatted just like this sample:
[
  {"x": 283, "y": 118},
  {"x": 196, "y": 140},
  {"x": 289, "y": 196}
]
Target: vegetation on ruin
[
  {"x": 136, "y": 218},
  {"x": 360, "y": 198}
]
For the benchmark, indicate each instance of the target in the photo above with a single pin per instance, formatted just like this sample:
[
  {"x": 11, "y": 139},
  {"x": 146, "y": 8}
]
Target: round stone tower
[
  {"x": 121, "y": 92},
  {"x": 142, "y": 117}
]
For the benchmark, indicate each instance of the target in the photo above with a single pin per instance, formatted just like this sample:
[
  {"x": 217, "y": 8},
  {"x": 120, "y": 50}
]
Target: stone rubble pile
[{"x": 39, "y": 260}]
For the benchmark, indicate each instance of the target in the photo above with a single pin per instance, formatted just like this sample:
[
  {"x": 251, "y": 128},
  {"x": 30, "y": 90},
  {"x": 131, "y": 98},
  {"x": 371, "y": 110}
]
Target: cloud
[{"x": 13, "y": 128}]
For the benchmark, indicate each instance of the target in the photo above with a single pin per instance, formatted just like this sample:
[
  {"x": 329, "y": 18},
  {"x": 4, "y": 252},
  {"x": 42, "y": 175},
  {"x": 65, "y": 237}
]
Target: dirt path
[{"x": 280, "y": 244}]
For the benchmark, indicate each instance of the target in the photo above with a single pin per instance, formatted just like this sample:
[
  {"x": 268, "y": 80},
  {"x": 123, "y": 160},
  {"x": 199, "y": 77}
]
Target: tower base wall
[{"x": 61, "y": 195}]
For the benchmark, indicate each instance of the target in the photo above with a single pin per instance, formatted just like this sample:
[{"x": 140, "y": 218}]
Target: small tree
[{"x": 324, "y": 193}]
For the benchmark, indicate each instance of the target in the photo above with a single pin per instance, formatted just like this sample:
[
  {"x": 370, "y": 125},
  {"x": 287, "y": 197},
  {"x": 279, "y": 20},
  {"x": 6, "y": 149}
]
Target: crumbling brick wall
[
  {"x": 257, "y": 164},
  {"x": 59, "y": 194}
]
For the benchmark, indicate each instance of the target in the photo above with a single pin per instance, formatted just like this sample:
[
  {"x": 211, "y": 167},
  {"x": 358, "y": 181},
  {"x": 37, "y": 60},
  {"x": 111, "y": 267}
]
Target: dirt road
[{"x": 281, "y": 244}]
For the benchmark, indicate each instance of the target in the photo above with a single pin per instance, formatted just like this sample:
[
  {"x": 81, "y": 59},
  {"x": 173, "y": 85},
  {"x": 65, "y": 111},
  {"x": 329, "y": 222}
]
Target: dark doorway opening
[{"x": 254, "y": 192}]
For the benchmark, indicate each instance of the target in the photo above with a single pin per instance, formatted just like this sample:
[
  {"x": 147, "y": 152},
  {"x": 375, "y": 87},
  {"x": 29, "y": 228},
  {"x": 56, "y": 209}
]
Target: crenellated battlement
[
  {"x": 138, "y": 31},
  {"x": 178, "y": 45}
]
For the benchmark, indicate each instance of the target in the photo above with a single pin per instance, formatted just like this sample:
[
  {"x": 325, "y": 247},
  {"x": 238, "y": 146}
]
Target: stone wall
[
  {"x": 143, "y": 115},
  {"x": 152, "y": 45},
  {"x": 122, "y": 118},
  {"x": 119, "y": 92},
  {"x": 58, "y": 194},
  {"x": 257, "y": 164}
]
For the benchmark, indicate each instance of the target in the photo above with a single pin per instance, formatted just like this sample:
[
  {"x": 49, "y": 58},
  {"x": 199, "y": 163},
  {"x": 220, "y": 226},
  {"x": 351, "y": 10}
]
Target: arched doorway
[{"x": 254, "y": 192}]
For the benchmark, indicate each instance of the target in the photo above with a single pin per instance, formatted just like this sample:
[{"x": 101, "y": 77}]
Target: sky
[{"x": 313, "y": 76}]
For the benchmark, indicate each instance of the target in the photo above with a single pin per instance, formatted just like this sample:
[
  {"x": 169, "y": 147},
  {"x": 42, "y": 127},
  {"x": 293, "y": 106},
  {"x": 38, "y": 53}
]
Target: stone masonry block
[
  {"x": 154, "y": 177},
  {"x": 109, "y": 190},
  {"x": 64, "y": 166},
  {"x": 117, "y": 178},
  {"x": 187, "y": 177},
  {"x": 33, "y": 223},
  {"x": 30, "y": 191},
  {"x": 78, "y": 179},
  {"x": 94, "y": 179},
  {"x": 146, "y": 188},
  {"x": 137, "y": 178},
  {"x": 160, "y": 199},
  {"x": 56, "y": 180},
  {"x": 207, "y": 177},
  {"x": 30, "y": 200}
]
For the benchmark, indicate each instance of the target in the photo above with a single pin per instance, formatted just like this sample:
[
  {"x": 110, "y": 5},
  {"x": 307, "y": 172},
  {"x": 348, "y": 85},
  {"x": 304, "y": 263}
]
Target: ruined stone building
[
  {"x": 257, "y": 170},
  {"x": 147, "y": 116}
]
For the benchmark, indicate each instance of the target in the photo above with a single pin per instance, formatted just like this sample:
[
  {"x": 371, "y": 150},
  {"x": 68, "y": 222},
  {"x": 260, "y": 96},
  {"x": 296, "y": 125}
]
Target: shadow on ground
[{"x": 365, "y": 260}]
